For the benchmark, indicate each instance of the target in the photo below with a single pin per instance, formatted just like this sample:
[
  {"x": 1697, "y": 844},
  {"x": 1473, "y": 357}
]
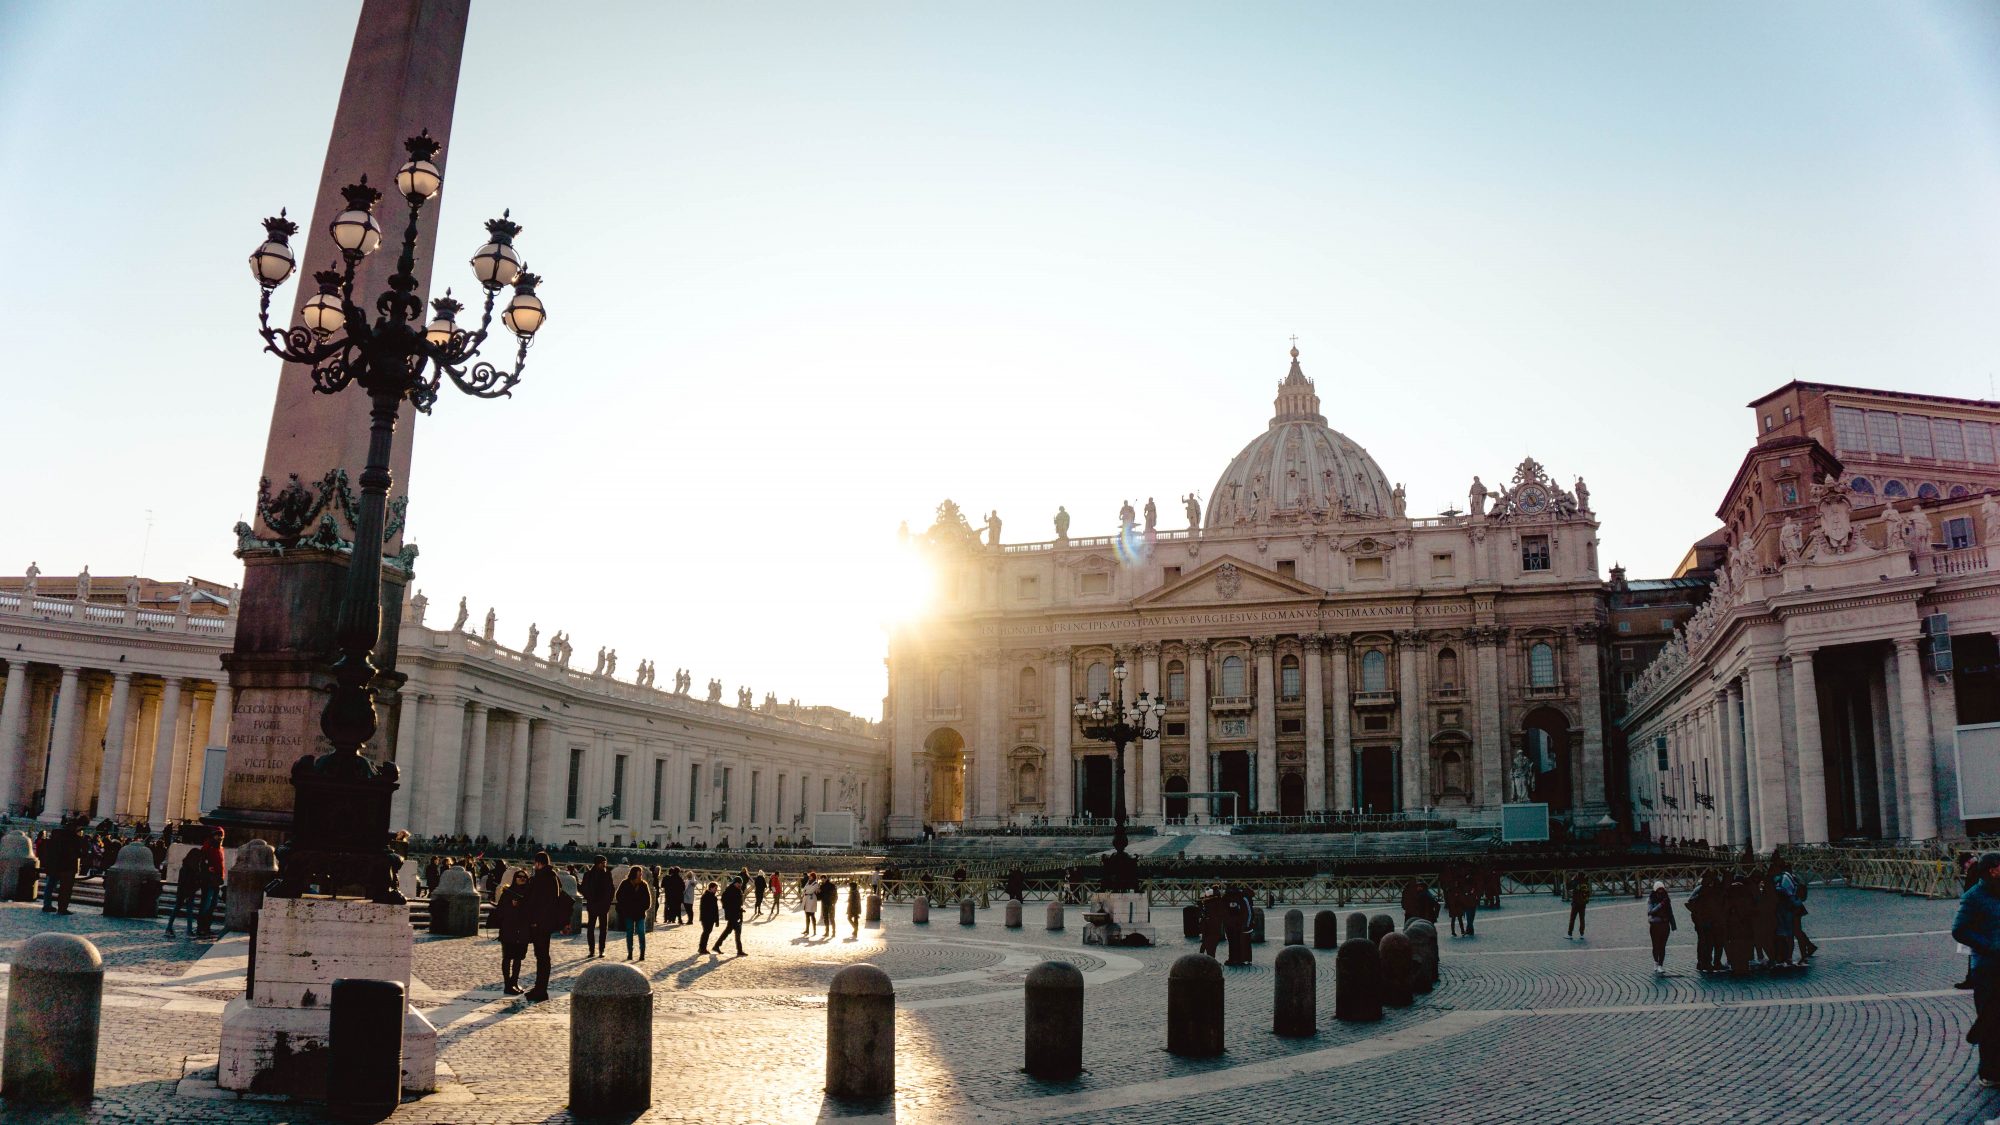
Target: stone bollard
[
  {"x": 1295, "y": 1008},
  {"x": 1357, "y": 982},
  {"x": 1256, "y": 925},
  {"x": 55, "y": 996},
  {"x": 1194, "y": 1007},
  {"x": 920, "y": 911},
  {"x": 364, "y": 1045},
  {"x": 255, "y": 865},
  {"x": 132, "y": 886},
  {"x": 1055, "y": 1021},
  {"x": 610, "y": 1042},
  {"x": 1326, "y": 930},
  {"x": 1295, "y": 927},
  {"x": 1396, "y": 953},
  {"x": 455, "y": 904},
  {"x": 1357, "y": 926},
  {"x": 874, "y": 908},
  {"x": 1423, "y": 954},
  {"x": 17, "y": 858},
  {"x": 1378, "y": 925},
  {"x": 968, "y": 912},
  {"x": 1055, "y": 917},
  {"x": 1013, "y": 913},
  {"x": 1191, "y": 922},
  {"x": 861, "y": 1034}
]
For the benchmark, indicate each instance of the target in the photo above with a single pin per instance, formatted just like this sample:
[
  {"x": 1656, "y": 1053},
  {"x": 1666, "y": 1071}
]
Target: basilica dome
[{"x": 1300, "y": 470}]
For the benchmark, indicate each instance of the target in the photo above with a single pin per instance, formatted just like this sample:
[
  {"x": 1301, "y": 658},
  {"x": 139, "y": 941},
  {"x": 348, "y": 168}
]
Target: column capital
[
  {"x": 1056, "y": 653},
  {"x": 479, "y": 706},
  {"x": 1907, "y": 644},
  {"x": 121, "y": 675},
  {"x": 1588, "y": 631},
  {"x": 1805, "y": 653},
  {"x": 1197, "y": 648},
  {"x": 1409, "y": 638},
  {"x": 1263, "y": 646},
  {"x": 987, "y": 658},
  {"x": 1149, "y": 650},
  {"x": 1314, "y": 643},
  {"x": 1338, "y": 642}
]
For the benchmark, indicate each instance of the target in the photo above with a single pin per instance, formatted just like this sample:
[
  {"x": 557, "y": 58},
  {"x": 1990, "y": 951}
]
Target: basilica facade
[{"x": 1319, "y": 649}]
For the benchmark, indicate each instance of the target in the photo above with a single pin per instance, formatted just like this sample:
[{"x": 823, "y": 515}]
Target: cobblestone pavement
[{"x": 1526, "y": 1026}]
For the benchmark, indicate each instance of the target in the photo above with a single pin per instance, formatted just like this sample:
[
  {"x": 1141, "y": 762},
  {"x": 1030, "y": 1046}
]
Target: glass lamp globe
[
  {"x": 356, "y": 232},
  {"x": 525, "y": 313},
  {"x": 419, "y": 179},
  {"x": 1118, "y": 669},
  {"x": 272, "y": 263},
  {"x": 439, "y": 331},
  {"x": 323, "y": 314}
]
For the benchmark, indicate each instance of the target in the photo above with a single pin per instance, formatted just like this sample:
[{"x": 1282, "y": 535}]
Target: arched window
[
  {"x": 1894, "y": 489},
  {"x": 944, "y": 693},
  {"x": 1958, "y": 490},
  {"x": 1862, "y": 485},
  {"x": 1289, "y": 680},
  {"x": 1928, "y": 491},
  {"x": 1028, "y": 784},
  {"x": 1374, "y": 670},
  {"x": 1176, "y": 681},
  {"x": 1541, "y": 665},
  {"x": 1027, "y": 682},
  {"x": 1097, "y": 681},
  {"x": 1447, "y": 670},
  {"x": 1232, "y": 676}
]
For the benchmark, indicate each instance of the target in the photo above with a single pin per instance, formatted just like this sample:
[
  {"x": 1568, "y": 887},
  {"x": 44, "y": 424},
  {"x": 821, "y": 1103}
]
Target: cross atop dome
[{"x": 1297, "y": 401}]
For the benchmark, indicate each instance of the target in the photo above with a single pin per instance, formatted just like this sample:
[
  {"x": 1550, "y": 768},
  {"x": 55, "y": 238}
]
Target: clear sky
[{"x": 814, "y": 267}]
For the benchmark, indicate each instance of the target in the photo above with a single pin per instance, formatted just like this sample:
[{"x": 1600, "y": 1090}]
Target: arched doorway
[
  {"x": 1291, "y": 795},
  {"x": 1545, "y": 745},
  {"x": 944, "y": 752},
  {"x": 1096, "y": 799},
  {"x": 1176, "y": 806}
]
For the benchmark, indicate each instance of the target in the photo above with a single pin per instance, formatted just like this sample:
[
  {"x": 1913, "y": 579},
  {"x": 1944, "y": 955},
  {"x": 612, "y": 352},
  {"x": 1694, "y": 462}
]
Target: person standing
[
  {"x": 193, "y": 877},
  {"x": 759, "y": 884},
  {"x": 1579, "y": 897},
  {"x": 597, "y": 891},
  {"x": 1977, "y": 927},
  {"x": 1214, "y": 919},
  {"x": 1739, "y": 925},
  {"x": 853, "y": 907},
  {"x": 1705, "y": 910},
  {"x": 1660, "y": 921},
  {"x": 1807, "y": 946},
  {"x": 59, "y": 855},
  {"x": 732, "y": 915},
  {"x": 711, "y": 913},
  {"x": 1236, "y": 924},
  {"x": 548, "y": 911},
  {"x": 511, "y": 916},
  {"x": 635, "y": 902},
  {"x": 1017, "y": 884},
  {"x": 670, "y": 890},
  {"x": 777, "y": 895},
  {"x": 809, "y": 899}
]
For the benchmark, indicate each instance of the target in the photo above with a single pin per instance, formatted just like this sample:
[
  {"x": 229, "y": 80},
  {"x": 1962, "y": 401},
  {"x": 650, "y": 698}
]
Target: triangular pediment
[{"x": 1229, "y": 581}]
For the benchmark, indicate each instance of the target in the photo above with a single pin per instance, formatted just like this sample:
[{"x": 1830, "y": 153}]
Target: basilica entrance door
[
  {"x": 1097, "y": 788},
  {"x": 1177, "y": 807},
  {"x": 1292, "y": 795},
  {"x": 1376, "y": 786},
  {"x": 1232, "y": 775}
]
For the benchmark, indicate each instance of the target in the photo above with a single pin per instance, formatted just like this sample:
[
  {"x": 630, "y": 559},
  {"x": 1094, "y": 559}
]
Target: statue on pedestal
[
  {"x": 1062, "y": 522},
  {"x": 715, "y": 691},
  {"x": 1475, "y": 499},
  {"x": 1521, "y": 784},
  {"x": 611, "y": 663},
  {"x": 1989, "y": 520},
  {"x": 1193, "y": 511},
  {"x": 491, "y": 620},
  {"x": 418, "y": 605},
  {"x": 1582, "y": 496},
  {"x": 1126, "y": 516},
  {"x": 1791, "y": 541},
  {"x": 464, "y": 615},
  {"x": 35, "y": 573},
  {"x": 1152, "y": 515},
  {"x": 993, "y": 528},
  {"x": 132, "y": 591},
  {"x": 534, "y": 635},
  {"x": 1398, "y": 501},
  {"x": 599, "y": 669},
  {"x": 83, "y": 585}
]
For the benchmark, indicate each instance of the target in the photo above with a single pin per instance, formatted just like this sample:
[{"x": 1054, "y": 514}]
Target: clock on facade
[{"x": 1532, "y": 499}]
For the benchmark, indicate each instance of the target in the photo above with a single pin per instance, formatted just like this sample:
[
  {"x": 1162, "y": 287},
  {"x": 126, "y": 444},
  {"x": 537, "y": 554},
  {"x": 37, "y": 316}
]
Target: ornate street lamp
[
  {"x": 340, "y": 817},
  {"x": 1120, "y": 723}
]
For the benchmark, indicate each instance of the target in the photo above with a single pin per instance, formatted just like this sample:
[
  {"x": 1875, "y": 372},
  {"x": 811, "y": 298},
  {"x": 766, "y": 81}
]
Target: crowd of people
[{"x": 74, "y": 849}]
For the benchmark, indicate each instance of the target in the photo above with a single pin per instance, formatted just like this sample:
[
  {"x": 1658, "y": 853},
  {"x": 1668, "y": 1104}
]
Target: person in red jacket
[{"x": 211, "y": 853}]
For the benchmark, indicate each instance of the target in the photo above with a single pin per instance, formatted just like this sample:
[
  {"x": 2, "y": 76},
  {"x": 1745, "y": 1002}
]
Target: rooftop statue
[{"x": 1062, "y": 522}]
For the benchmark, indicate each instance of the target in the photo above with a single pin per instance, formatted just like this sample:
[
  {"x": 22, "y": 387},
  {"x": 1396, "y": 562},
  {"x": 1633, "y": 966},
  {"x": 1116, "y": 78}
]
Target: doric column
[
  {"x": 1492, "y": 739},
  {"x": 222, "y": 712},
  {"x": 1741, "y": 827},
  {"x": 1315, "y": 644},
  {"x": 905, "y": 683},
  {"x": 550, "y": 745},
  {"x": 1342, "y": 752},
  {"x": 165, "y": 735},
  {"x": 516, "y": 821},
  {"x": 63, "y": 754},
  {"x": 443, "y": 766},
  {"x": 1061, "y": 781},
  {"x": 112, "y": 773},
  {"x": 13, "y": 728},
  {"x": 475, "y": 771},
  {"x": 989, "y": 753},
  {"x": 1590, "y": 782},
  {"x": 1811, "y": 760},
  {"x": 400, "y": 818},
  {"x": 1149, "y": 750},
  {"x": 1267, "y": 725},
  {"x": 1198, "y": 768},
  {"x": 1409, "y": 717},
  {"x": 1916, "y": 749},
  {"x": 1767, "y": 756}
]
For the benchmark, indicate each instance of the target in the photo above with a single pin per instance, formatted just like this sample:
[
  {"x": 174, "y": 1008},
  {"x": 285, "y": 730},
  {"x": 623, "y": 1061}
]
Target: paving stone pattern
[{"x": 1526, "y": 1026}]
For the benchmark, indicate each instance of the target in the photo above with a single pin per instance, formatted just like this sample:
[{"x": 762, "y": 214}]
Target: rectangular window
[
  {"x": 1624, "y": 626},
  {"x": 694, "y": 794},
  {"x": 756, "y": 780},
  {"x": 1094, "y": 583},
  {"x": 659, "y": 787},
  {"x": 575, "y": 783},
  {"x": 1950, "y": 439},
  {"x": 1177, "y": 685},
  {"x": 1850, "y": 430},
  {"x": 1288, "y": 568},
  {"x": 825, "y": 793},
  {"x": 1958, "y": 533},
  {"x": 779, "y": 805},
  {"x": 1170, "y": 575},
  {"x": 1534, "y": 552},
  {"x": 1660, "y": 750},
  {"x": 1882, "y": 432},
  {"x": 805, "y": 788},
  {"x": 1374, "y": 722},
  {"x": 1176, "y": 730},
  {"x": 1917, "y": 435},
  {"x": 1625, "y": 682},
  {"x": 1368, "y": 568},
  {"x": 723, "y": 806},
  {"x": 618, "y": 787},
  {"x": 1666, "y": 624},
  {"x": 1978, "y": 443},
  {"x": 1441, "y": 566},
  {"x": 1289, "y": 681},
  {"x": 1625, "y": 652},
  {"x": 1291, "y": 726}
]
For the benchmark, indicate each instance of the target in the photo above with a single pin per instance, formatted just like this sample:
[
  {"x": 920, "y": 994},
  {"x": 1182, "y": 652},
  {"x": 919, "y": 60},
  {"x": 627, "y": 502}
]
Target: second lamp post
[{"x": 1121, "y": 723}]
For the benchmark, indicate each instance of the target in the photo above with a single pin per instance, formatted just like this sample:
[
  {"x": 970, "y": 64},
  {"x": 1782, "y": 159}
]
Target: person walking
[
  {"x": 760, "y": 884},
  {"x": 829, "y": 893},
  {"x": 1785, "y": 904},
  {"x": 59, "y": 855},
  {"x": 193, "y": 879},
  {"x": 597, "y": 891},
  {"x": 212, "y": 883},
  {"x": 1214, "y": 919},
  {"x": 809, "y": 899},
  {"x": 635, "y": 902},
  {"x": 512, "y": 918},
  {"x": 548, "y": 911},
  {"x": 689, "y": 890},
  {"x": 1579, "y": 897},
  {"x": 732, "y": 914},
  {"x": 1660, "y": 921},
  {"x": 777, "y": 895},
  {"x": 1236, "y": 924},
  {"x": 1977, "y": 927},
  {"x": 670, "y": 890},
  {"x": 711, "y": 913},
  {"x": 853, "y": 907},
  {"x": 1807, "y": 946}
]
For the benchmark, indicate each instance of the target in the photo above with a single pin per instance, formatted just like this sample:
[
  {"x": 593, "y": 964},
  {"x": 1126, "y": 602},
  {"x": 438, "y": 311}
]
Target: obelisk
[{"x": 402, "y": 79}]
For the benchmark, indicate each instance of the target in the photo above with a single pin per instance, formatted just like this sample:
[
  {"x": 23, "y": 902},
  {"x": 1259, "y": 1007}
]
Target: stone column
[
  {"x": 990, "y": 755},
  {"x": 1062, "y": 727},
  {"x": 443, "y": 766},
  {"x": 475, "y": 771},
  {"x": 905, "y": 680},
  {"x": 1492, "y": 740},
  {"x": 1743, "y": 827},
  {"x": 221, "y": 716},
  {"x": 1811, "y": 756},
  {"x": 1409, "y": 717},
  {"x": 1315, "y": 671},
  {"x": 1888, "y": 771},
  {"x": 1342, "y": 751},
  {"x": 515, "y": 822},
  {"x": 401, "y": 816},
  {"x": 113, "y": 770},
  {"x": 1916, "y": 748},
  {"x": 1590, "y": 781},
  {"x": 550, "y": 772},
  {"x": 13, "y": 730},
  {"x": 1267, "y": 725},
  {"x": 1767, "y": 754},
  {"x": 63, "y": 754},
  {"x": 1198, "y": 779},
  {"x": 164, "y": 737},
  {"x": 1149, "y": 750}
]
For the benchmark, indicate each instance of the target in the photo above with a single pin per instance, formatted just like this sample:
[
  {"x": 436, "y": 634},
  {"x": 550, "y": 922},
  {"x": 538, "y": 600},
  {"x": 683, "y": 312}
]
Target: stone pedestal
[
  {"x": 132, "y": 886},
  {"x": 17, "y": 855},
  {"x": 255, "y": 865},
  {"x": 274, "y": 1041},
  {"x": 455, "y": 905}
]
